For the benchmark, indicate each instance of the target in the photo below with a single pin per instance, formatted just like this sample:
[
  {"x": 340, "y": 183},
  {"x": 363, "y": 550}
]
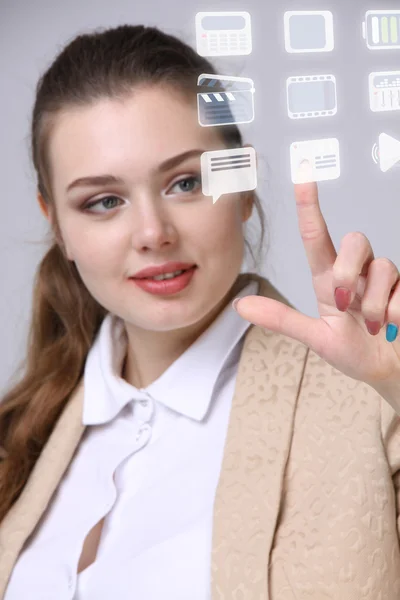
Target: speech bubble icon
[{"x": 228, "y": 171}]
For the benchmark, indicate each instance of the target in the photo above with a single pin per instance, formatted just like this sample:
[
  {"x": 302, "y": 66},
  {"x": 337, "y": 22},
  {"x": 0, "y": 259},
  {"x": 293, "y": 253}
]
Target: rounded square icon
[
  {"x": 228, "y": 171},
  {"x": 384, "y": 91},
  {"x": 223, "y": 33},
  {"x": 315, "y": 160},
  {"x": 225, "y": 100},
  {"x": 311, "y": 96},
  {"x": 386, "y": 152},
  {"x": 308, "y": 31},
  {"x": 381, "y": 29}
]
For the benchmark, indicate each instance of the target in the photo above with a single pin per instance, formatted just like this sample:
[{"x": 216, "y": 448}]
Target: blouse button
[
  {"x": 146, "y": 411},
  {"x": 70, "y": 582},
  {"x": 143, "y": 429}
]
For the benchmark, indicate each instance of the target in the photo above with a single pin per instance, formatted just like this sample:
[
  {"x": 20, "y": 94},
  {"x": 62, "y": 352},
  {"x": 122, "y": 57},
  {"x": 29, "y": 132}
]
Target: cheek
[
  {"x": 94, "y": 252},
  {"x": 220, "y": 226}
]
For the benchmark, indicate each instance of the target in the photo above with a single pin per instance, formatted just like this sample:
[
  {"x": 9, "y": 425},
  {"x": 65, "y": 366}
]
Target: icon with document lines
[
  {"x": 234, "y": 103},
  {"x": 223, "y": 33},
  {"x": 315, "y": 160},
  {"x": 228, "y": 171}
]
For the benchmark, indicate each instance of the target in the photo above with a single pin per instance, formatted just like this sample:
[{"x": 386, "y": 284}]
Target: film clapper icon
[{"x": 225, "y": 104}]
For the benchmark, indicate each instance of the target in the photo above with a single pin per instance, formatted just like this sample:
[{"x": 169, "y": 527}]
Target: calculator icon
[{"x": 223, "y": 33}]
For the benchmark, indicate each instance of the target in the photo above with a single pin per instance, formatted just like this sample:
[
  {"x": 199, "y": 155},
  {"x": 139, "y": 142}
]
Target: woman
[{"x": 159, "y": 445}]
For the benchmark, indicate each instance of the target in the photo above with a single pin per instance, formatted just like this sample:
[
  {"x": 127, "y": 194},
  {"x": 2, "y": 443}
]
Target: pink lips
[
  {"x": 166, "y": 287},
  {"x": 169, "y": 267}
]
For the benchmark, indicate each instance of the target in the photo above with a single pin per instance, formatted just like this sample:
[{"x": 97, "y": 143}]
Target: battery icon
[{"x": 381, "y": 29}]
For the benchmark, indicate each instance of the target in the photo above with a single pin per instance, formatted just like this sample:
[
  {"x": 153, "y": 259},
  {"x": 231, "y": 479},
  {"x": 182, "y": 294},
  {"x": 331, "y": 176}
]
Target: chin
[{"x": 175, "y": 317}]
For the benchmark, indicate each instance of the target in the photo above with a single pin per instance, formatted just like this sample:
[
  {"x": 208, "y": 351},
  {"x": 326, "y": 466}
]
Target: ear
[
  {"x": 49, "y": 216},
  {"x": 248, "y": 197},
  {"x": 247, "y": 205},
  {"x": 44, "y": 207}
]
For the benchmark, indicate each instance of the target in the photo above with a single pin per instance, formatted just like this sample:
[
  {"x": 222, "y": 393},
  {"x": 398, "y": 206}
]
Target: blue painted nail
[{"x": 391, "y": 332}]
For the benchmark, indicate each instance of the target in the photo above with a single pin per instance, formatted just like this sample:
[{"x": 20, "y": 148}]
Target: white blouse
[{"x": 150, "y": 460}]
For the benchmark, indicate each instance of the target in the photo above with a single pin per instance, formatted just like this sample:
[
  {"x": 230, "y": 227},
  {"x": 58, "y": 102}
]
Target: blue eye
[
  {"x": 100, "y": 200},
  {"x": 187, "y": 185},
  {"x": 188, "y": 188}
]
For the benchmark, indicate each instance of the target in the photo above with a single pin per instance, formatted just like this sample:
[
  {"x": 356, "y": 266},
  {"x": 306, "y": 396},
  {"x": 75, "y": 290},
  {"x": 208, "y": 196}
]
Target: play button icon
[{"x": 386, "y": 152}]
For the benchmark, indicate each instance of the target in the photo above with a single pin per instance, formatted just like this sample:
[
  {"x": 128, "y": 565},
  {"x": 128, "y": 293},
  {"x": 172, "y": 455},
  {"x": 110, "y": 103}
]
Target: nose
[{"x": 154, "y": 227}]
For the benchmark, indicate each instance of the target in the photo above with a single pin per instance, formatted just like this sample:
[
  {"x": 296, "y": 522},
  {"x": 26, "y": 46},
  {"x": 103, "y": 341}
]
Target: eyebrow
[{"x": 99, "y": 180}]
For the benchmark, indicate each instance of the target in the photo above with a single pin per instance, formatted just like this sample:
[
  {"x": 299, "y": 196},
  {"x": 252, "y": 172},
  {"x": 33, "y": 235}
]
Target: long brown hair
[{"x": 65, "y": 317}]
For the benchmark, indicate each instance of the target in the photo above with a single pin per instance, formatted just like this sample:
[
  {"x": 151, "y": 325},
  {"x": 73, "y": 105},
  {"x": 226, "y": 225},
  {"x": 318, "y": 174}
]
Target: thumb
[{"x": 278, "y": 317}]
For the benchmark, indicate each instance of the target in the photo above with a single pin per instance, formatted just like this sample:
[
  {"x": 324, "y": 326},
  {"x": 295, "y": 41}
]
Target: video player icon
[{"x": 386, "y": 152}]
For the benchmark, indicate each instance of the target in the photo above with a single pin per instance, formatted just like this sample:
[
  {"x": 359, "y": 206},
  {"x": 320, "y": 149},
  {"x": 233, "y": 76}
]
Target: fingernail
[
  {"x": 235, "y": 302},
  {"x": 391, "y": 332},
  {"x": 373, "y": 327},
  {"x": 342, "y": 298}
]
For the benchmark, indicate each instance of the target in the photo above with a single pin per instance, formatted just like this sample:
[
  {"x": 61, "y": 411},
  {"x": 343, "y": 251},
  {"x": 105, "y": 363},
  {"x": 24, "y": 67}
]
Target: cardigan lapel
[
  {"x": 248, "y": 495},
  {"x": 249, "y": 491},
  {"x": 53, "y": 461}
]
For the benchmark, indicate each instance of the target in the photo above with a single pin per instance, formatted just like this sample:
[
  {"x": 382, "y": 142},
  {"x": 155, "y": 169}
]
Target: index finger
[{"x": 320, "y": 251}]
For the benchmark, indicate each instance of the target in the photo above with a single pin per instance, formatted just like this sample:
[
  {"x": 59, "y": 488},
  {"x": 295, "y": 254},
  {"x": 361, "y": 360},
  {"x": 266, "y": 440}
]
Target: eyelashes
[
  {"x": 195, "y": 178},
  {"x": 86, "y": 207}
]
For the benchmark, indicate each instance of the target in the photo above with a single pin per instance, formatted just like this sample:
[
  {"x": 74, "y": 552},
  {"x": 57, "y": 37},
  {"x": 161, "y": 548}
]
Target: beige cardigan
[{"x": 308, "y": 498}]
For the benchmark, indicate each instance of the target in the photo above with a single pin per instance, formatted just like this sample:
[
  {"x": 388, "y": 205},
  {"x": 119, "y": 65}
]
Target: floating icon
[
  {"x": 384, "y": 91},
  {"x": 311, "y": 96},
  {"x": 381, "y": 29},
  {"x": 315, "y": 160},
  {"x": 223, "y": 33},
  {"x": 228, "y": 171},
  {"x": 234, "y": 105},
  {"x": 386, "y": 152},
  {"x": 309, "y": 31}
]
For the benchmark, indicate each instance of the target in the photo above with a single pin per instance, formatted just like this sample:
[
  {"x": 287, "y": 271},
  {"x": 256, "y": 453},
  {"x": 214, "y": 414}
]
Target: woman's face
[{"x": 155, "y": 214}]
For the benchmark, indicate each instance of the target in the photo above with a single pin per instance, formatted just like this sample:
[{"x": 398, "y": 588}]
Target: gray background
[{"x": 362, "y": 199}]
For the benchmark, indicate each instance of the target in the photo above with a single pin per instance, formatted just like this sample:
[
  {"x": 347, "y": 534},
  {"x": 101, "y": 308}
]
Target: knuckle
[
  {"x": 343, "y": 271},
  {"x": 356, "y": 237},
  {"x": 387, "y": 263},
  {"x": 372, "y": 310},
  {"x": 342, "y": 276}
]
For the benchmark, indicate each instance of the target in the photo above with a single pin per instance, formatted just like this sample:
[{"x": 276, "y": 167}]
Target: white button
[
  {"x": 143, "y": 429},
  {"x": 145, "y": 410}
]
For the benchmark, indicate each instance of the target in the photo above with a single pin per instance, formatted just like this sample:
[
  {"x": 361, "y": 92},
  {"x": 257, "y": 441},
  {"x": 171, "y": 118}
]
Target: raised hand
[{"x": 340, "y": 334}]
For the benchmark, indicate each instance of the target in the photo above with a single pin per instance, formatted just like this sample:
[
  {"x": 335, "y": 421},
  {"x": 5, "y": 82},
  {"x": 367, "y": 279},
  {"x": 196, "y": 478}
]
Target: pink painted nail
[
  {"x": 373, "y": 327},
  {"x": 342, "y": 297}
]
